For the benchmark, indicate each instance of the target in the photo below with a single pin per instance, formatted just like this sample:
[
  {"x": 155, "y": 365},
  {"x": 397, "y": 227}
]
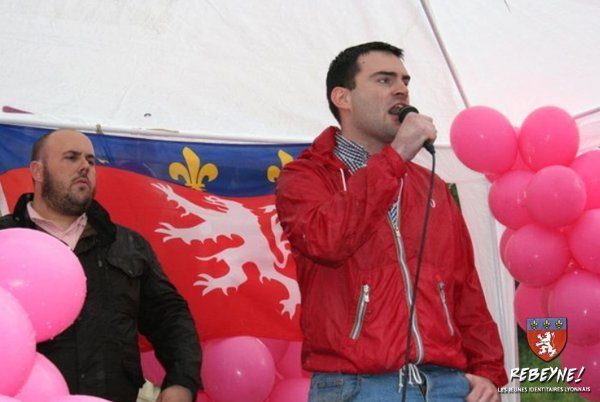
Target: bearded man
[{"x": 127, "y": 290}]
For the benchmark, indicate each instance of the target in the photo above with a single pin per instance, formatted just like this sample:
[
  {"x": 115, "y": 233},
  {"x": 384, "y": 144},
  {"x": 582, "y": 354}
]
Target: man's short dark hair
[
  {"x": 344, "y": 67},
  {"x": 38, "y": 145}
]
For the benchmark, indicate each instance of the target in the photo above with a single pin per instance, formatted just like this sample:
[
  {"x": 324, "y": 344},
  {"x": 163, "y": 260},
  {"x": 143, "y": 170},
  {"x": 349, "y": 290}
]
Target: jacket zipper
[
  {"x": 360, "y": 312},
  {"x": 406, "y": 277},
  {"x": 442, "y": 293}
]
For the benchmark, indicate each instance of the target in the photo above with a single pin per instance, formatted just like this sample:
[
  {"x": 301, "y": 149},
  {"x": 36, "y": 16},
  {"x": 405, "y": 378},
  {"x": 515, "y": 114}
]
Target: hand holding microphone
[{"x": 415, "y": 131}]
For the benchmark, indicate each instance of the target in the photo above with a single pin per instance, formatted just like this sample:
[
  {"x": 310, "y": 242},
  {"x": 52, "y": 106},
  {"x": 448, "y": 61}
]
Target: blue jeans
[{"x": 440, "y": 384}]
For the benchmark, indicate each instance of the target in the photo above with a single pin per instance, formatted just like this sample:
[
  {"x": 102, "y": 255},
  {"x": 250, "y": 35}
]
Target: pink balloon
[
  {"x": 45, "y": 381},
  {"x": 587, "y": 166},
  {"x": 574, "y": 356},
  {"x": 520, "y": 164},
  {"x": 555, "y": 196},
  {"x": 537, "y": 256},
  {"x": 484, "y": 140},
  {"x": 584, "y": 240},
  {"x": 17, "y": 344},
  {"x": 573, "y": 266},
  {"x": 492, "y": 177},
  {"x": 530, "y": 303},
  {"x": 548, "y": 136},
  {"x": 202, "y": 396},
  {"x": 77, "y": 398},
  {"x": 45, "y": 276},
  {"x": 237, "y": 369},
  {"x": 4, "y": 398},
  {"x": 277, "y": 347},
  {"x": 152, "y": 369},
  {"x": 290, "y": 365},
  {"x": 508, "y": 232},
  {"x": 291, "y": 390},
  {"x": 577, "y": 296},
  {"x": 507, "y": 199}
]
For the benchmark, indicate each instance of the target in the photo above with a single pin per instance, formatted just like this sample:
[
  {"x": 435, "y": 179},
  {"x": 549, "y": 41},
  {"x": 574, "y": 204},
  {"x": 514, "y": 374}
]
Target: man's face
[
  {"x": 69, "y": 173},
  {"x": 381, "y": 85}
]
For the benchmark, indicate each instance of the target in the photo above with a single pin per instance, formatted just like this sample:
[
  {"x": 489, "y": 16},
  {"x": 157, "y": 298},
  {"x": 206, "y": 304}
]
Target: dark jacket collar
[{"x": 98, "y": 217}]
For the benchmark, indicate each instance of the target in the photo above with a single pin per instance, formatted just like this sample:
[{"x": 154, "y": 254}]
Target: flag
[{"x": 208, "y": 211}]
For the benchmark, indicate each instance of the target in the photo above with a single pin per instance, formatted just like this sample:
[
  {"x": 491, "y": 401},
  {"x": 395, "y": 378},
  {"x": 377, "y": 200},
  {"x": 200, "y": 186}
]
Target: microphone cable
[{"x": 417, "y": 275}]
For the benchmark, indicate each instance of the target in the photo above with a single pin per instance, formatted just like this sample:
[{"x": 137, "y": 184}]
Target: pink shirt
[{"x": 70, "y": 236}]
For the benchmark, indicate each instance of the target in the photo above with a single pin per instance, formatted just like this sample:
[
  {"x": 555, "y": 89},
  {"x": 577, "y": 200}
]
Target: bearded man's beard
[{"x": 61, "y": 199}]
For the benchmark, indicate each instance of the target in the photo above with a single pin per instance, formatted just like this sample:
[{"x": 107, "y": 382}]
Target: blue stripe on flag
[{"x": 224, "y": 169}]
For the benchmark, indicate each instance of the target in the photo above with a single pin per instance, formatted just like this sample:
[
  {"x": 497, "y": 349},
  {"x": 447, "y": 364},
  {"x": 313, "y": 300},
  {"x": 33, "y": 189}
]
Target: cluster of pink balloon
[
  {"x": 42, "y": 289},
  {"x": 245, "y": 369},
  {"x": 549, "y": 200}
]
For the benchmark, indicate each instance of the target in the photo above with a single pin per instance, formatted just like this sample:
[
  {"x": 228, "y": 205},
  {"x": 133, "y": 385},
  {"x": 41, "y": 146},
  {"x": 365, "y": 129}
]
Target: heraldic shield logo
[{"x": 547, "y": 337}]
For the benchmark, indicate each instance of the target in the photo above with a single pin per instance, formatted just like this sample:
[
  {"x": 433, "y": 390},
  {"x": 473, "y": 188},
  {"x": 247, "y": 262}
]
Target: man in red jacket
[{"x": 352, "y": 206}]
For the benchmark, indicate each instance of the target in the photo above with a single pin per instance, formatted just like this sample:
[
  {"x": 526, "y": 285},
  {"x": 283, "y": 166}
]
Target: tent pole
[
  {"x": 587, "y": 113},
  {"x": 440, "y": 42}
]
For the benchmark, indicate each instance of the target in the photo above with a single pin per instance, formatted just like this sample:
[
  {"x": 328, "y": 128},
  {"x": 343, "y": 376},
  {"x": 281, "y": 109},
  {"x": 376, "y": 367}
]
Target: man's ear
[
  {"x": 340, "y": 97},
  {"x": 36, "y": 168}
]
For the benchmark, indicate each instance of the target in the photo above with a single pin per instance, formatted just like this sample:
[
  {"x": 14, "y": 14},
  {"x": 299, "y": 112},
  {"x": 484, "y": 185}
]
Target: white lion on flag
[{"x": 229, "y": 218}]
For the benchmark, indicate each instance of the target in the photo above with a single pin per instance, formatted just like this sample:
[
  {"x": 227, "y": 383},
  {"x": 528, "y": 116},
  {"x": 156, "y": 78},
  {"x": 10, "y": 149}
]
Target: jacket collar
[
  {"x": 98, "y": 218},
  {"x": 322, "y": 149}
]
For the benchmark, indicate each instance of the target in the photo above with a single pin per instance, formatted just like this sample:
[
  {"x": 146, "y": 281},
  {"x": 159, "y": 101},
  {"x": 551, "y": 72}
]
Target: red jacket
[{"x": 352, "y": 267}]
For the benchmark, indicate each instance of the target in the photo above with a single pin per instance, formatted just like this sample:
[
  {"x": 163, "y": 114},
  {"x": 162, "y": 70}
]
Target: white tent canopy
[{"x": 255, "y": 70}]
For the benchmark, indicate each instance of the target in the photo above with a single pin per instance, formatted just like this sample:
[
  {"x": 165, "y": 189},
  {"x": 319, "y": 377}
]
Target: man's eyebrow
[
  {"x": 388, "y": 73},
  {"x": 405, "y": 77},
  {"x": 77, "y": 153}
]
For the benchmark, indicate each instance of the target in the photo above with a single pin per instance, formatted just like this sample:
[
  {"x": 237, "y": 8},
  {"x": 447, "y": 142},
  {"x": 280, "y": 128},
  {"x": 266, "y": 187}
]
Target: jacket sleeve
[
  {"x": 481, "y": 340},
  {"x": 328, "y": 223},
  {"x": 166, "y": 321}
]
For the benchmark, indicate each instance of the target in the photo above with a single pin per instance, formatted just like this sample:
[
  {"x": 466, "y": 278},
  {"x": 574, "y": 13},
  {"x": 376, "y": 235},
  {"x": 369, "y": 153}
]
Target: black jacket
[{"x": 127, "y": 292}]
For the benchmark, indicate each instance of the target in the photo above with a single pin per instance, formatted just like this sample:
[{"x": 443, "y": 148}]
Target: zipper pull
[
  {"x": 441, "y": 287},
  {"x": 365, "y": 291}
]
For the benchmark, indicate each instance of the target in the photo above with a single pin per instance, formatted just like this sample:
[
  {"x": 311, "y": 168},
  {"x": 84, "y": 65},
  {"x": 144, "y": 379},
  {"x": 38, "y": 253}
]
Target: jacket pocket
[
  {"x": 442, "y": 292},
  {"x": 131, "y": 267},
  {"x": 361, "y": 310},
  {"x": 124, "y": 279}
]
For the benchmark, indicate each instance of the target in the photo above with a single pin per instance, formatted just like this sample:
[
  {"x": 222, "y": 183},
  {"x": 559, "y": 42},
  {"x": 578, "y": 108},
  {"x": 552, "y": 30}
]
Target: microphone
[{"x": 401, "y": 112}]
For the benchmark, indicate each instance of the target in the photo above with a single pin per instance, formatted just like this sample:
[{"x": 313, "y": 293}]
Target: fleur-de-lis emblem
[
  {"x": 546, "y": 324},
  {"x": 559, "y": 324},
  {"x": 534, "y": 324},
  {"x": 194, "y": 173},
  {"x": 273, "y": 170}
]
